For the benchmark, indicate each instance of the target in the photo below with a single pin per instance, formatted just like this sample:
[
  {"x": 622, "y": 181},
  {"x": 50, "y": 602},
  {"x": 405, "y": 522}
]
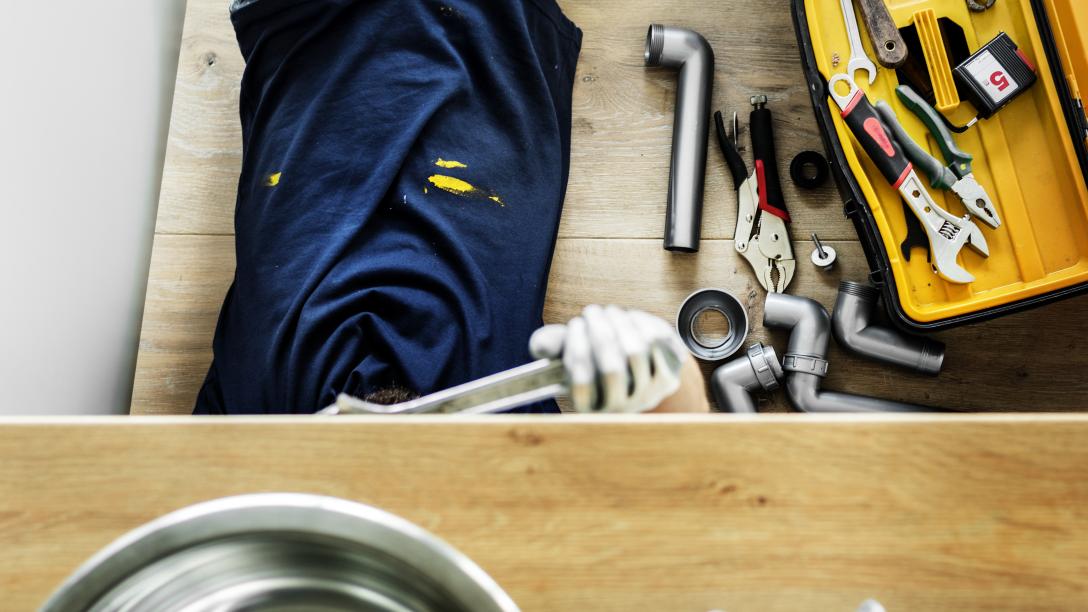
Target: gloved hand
[{"x": 632, "y": 357}]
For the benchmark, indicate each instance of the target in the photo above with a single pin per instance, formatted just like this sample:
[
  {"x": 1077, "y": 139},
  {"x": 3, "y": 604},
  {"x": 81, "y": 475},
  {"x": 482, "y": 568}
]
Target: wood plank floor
[{"x": 609, "y": 248}]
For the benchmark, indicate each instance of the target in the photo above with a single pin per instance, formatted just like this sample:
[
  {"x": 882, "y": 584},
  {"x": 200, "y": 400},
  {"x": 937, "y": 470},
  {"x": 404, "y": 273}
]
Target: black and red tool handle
[
  {"x": 770, "y": 188},
  {"x": 862, "y": 119}
]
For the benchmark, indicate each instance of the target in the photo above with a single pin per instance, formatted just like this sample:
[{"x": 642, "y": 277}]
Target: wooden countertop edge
[{"x": 776, "y": 419}]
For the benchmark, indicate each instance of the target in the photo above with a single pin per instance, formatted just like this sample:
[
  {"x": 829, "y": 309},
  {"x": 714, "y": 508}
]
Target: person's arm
[
  {"x": 691, "y": 396},
  {"x": 623, "y": 361}
]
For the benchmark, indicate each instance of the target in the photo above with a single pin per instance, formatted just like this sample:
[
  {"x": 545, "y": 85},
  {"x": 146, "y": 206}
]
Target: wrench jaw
[
  {"x": 862, "y": 63},
  {"x": 945, "y": 264},
  {"x": 762, "y": 266},
  {"x": 946, "y": 243},
  {"x": 767, "y": 278},
  {"x": 859, "y": 60},
  {"x": 962, "y": 230},
  {"x": 947, "y": 233},
  {"x": 945, "y": 251},
  {"x": 976, "y": 200},
  {"x": 976, "y": 240}
]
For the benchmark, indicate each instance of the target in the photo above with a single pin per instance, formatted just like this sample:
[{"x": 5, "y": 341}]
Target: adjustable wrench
[
  {"x": 533, "y": 382},
  {"x": 947, "y": 233},
  {"x": 858, "y": 58}
]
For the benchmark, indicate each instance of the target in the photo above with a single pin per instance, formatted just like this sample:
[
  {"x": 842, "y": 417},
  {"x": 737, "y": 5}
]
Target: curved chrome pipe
[
  {"x": 734, "y": 382},
  {"x": 687, "y": 51},
  {"x": 853, "y": 327},
  {"x": 805, "y": 361}
]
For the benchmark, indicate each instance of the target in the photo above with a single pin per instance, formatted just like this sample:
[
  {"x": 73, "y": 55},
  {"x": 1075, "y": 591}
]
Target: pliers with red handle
[{"x": 761, "y": 236}]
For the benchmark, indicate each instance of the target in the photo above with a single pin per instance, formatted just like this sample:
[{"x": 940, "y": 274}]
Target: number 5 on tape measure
[{"x": 994, "y": 75}]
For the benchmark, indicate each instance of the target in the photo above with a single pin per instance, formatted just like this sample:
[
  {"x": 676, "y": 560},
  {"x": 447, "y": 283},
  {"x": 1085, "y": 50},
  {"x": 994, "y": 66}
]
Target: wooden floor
[{"x": 609, "y": 248}]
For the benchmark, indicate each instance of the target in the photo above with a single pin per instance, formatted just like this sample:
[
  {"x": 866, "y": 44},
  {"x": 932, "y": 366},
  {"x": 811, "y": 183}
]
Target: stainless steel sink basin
[{"x": 279, "y": 551}]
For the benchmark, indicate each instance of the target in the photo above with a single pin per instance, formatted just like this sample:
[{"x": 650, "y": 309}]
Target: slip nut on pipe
[{"x": 734, "y": 383}]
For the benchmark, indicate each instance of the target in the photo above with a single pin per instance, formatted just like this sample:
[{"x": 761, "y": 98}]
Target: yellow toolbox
[{"x": 1030, "y": 157}]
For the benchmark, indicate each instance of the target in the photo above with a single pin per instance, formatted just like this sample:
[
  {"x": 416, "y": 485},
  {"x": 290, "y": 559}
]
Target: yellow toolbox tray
[{"x": 1030, "y": 157}]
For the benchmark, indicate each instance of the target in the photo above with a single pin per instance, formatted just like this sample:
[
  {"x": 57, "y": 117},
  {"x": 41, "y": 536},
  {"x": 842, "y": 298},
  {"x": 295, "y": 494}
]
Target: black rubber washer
[
  {"x": 722, "y": 302},
  {"x": 809, "y": 159}
]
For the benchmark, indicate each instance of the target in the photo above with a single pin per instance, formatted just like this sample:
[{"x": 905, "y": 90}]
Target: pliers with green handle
[{"x": 957, "y": 176}]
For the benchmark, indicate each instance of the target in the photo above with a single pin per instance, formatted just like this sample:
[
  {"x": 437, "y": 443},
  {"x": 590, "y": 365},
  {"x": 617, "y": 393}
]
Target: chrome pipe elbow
[
  {"x": 805, "y": 362},
  {"x": 689, "y": 53},
  {"x": 852, "y": 324}
]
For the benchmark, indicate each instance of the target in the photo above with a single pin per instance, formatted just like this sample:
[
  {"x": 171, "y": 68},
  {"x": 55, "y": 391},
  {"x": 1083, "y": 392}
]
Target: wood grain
[
  {"x": 609, "y": 250},
  {"x": 204, "y": 145},
  {"x": 622, "y": 119},
  {"x": 685, "y": 514},
  {"x": 996, "y": 367}
]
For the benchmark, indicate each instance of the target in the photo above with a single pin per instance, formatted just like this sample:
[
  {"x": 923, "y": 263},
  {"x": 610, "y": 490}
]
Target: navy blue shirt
[{"x": 404, "y": 164}]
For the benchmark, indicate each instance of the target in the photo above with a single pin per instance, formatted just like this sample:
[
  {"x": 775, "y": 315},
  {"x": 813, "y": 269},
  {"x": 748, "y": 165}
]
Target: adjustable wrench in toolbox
[{"x": 947, "y": 233}]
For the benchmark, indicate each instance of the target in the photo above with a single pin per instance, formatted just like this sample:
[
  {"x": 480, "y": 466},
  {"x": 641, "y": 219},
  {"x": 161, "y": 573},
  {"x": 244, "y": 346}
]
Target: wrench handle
[
  {"x": 870, "y": 131},
  {"x": 890, "y": 49},
  {"x": 939, "y": 175},
  {"x": 770, "y": 187}
]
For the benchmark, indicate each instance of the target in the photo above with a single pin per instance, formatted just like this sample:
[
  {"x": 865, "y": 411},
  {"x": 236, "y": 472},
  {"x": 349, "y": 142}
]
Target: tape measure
[{"x": 994, "y": 75}]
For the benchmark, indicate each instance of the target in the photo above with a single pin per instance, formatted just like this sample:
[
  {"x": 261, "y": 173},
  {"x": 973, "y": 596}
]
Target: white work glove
[{"x": 616, "y": 360}]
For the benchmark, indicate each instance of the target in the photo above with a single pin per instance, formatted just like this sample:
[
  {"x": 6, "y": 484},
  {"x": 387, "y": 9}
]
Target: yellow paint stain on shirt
[
  {"x": 451, "y": 184},
  {"x": 462, "y": 188},
  {"x": 272, "y": 179},
  {"x": 424, "y": 191},
  {"x": 442, "y": 163}
]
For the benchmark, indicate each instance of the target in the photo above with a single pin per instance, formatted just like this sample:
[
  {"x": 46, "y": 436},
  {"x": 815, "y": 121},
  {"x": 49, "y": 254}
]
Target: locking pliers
[{"x": 761, "y": 236}]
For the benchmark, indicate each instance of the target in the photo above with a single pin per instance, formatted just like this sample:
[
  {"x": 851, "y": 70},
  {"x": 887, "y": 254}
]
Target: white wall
[{"x": 85, "y": 92}]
